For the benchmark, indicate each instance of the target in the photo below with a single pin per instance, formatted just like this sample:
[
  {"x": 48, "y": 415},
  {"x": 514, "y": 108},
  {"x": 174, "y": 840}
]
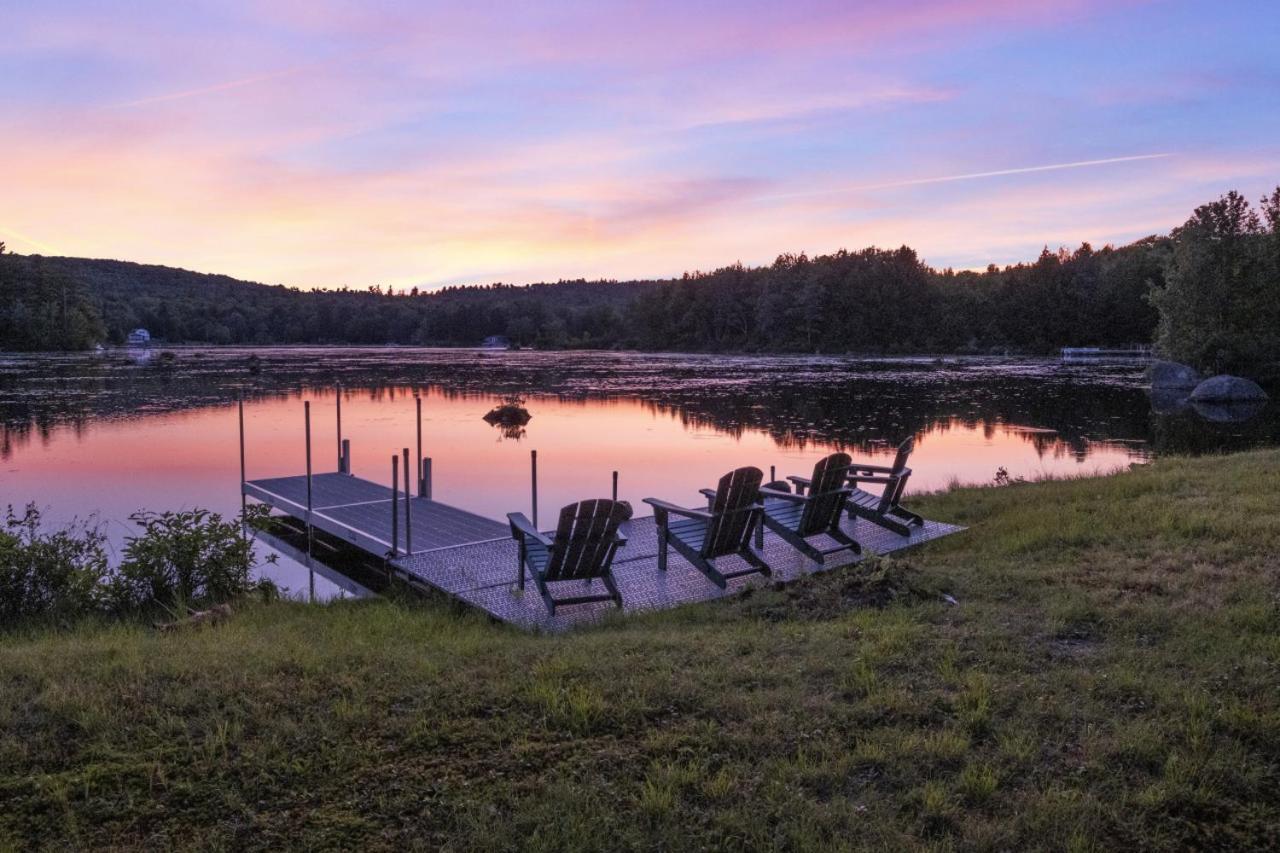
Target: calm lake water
[{"x": 102, "y": 436}]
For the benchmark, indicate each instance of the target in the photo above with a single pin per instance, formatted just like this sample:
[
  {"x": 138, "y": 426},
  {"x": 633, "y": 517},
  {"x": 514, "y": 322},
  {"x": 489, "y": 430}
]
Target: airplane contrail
[
  {"x": 204, "y": 90},
  {"x": 1052, "y": 167},
  {"x": 44, "y": 248}
]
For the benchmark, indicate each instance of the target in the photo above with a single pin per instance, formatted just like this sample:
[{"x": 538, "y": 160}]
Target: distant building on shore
[
  {"x": 1137, "y": 352},
  {"x": 496, "y": 342},
  {"x": 139, "y": 338}
]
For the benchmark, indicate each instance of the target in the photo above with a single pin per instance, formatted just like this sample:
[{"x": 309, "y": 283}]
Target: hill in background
[{"x": 873, "y": 300}]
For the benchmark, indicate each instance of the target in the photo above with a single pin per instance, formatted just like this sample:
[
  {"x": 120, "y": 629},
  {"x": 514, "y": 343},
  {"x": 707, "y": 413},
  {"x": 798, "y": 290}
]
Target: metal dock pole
[
  {"x": 243, "y": 505},
  {"x": 615, "y": 485},
  {"x": 533, "y": 461},
  {"x": 408, "y": 503},
  {"x": 422, "y": 485},
  {"x": 306, "y": 412},
  {"x": 346, "y": 456},
  {"x": 395, "y": 503},
  {"x": 341, "y": 455},
  {"x": 426, "y": 477}
]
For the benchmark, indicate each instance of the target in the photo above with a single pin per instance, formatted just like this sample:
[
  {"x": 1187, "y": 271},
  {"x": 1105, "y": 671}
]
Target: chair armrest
[
  {"x": 785, "y": 496},
  {"x": 707, "y": 493},
  {"x": 884, "y": 481},
  {"x": 664, "y": 506},
  {"x": 522, "y": 528},
  {"x": 802, "y": 483},
  {"x": 870, "y": 469}
]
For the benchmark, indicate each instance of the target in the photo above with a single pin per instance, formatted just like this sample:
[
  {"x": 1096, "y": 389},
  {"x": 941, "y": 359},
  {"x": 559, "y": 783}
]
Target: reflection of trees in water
[
  {"x": 798, "y": 402},
  {"x": 1057, "y": 420}
]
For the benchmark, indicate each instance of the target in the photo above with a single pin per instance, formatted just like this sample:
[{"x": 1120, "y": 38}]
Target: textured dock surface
[
  {"x": 474, "y": 558},
  {"x": 359, "y": 512}
]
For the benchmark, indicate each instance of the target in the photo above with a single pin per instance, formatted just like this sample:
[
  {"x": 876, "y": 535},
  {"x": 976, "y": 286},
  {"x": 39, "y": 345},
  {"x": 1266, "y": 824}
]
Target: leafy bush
[
  {"x": 49, "y": 575},
  {"x": 182, "y": 558}
]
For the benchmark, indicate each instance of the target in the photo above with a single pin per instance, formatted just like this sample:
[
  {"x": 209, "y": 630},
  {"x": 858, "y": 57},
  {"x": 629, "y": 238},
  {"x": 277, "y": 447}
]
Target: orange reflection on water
[{"x": 191, "y": 458}]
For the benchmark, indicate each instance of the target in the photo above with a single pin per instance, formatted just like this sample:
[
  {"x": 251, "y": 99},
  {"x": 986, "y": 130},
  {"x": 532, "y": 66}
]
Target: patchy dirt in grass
[
  {"x": 1072, "y": 648},
  {"x": 873, "y": 583}
]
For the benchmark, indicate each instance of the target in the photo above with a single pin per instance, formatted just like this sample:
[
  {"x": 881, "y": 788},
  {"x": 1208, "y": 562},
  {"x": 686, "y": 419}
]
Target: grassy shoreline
[{"x": 1110, "y": 677}]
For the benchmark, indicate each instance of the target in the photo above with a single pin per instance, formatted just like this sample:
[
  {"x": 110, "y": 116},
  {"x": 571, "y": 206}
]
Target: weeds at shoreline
[{"x": 180, "y": 560}]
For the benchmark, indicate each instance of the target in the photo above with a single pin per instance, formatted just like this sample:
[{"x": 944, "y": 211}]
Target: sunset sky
[{"x": 319, "y": 143}]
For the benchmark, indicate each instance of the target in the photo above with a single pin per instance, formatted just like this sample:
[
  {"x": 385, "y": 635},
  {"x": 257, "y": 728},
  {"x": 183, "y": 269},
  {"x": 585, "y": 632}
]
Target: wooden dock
[
  {"x": 473, "y": 558},
  {"x": 361, "y": 513}
]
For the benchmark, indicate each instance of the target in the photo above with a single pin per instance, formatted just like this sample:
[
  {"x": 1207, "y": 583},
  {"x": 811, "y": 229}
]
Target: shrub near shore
[{"x": 179, "y": 560}]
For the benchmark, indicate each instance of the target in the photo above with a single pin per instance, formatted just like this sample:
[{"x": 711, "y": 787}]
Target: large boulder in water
[
  {"x": 1170, "y": 374},
  {"x": 1228, "y": 389},
  {"x": 1229, "y": 413},
  {"x": 1168, "y": 401}
]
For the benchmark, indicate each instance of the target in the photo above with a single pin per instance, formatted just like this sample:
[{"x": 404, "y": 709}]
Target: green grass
[{"x": 1110, "y": 678}]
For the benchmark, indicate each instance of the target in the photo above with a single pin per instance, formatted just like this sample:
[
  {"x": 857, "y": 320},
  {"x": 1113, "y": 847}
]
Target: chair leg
[
  {"x": 844, "y": 539},
  {"x": 713, "y": 573},
  {"x": 910, "y": 516},
  {"x": 610, "y": 585},
  {"x": 662, "y": 550},
  {"x": 703, "y": 565},
  {"x": 546, "y": 594},
  {"x": 886, "y": 522},
  {"x": 794, "y": 540},
  {"x": 812, "y": 553},
  {"x": 754, "y": 559}
]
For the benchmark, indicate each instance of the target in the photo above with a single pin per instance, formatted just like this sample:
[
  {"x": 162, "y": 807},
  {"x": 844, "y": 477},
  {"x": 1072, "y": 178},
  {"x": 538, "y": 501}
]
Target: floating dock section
[{"x": 474, "y": 559}]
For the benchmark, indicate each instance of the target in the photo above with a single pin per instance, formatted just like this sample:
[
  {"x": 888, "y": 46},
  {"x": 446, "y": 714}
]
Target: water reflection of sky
[
  {"x": 83, "y": 437},
  {"x": 186, "y": 459}
]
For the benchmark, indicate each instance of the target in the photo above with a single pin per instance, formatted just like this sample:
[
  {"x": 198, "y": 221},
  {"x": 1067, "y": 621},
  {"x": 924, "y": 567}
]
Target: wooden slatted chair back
[
  {"x": 892, "y": 494},
  {"x": 737, "y": 493},
  {"x": 904, "y": 453},
  {"x": 826, "y": 494},
  {"x": 585, "y": 539}
]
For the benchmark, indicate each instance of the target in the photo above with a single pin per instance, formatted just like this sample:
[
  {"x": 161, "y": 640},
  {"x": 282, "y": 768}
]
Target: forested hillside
[
  {"x": 868, "y": 301},
  {"x": 1215, "y": 281}
]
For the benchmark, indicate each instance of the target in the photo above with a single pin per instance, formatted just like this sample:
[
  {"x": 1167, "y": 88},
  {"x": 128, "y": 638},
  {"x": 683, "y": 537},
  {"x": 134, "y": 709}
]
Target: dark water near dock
[{"x": 105, "y": 435}]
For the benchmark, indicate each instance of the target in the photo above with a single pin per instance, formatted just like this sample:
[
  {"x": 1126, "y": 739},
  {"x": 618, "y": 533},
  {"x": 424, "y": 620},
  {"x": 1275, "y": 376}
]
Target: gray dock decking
[
  {"x": 359, "y": 512},
  {"x": 473, "y": 558}
]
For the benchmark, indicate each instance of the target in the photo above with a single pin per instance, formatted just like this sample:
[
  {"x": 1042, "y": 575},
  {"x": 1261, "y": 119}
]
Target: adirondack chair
[
  {"x": 799, "y": 516},
  {"x": 885, "y": 508},
  {"x": 582, "y": 550},
  {"x": 723, "y": 529}
]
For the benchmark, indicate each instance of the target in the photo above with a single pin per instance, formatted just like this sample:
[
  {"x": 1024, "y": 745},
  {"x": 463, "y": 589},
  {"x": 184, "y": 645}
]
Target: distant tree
[{"x": 1219, "y": 306}]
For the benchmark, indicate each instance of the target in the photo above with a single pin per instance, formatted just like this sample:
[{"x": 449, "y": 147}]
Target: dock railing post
[
  {"x": 615, "y": 485},
  {"x": 533, "y": 462},
  {"x": 243, "y": 506},
  {"x": 346, "y": 456},
  {"x": 395, "y": 503},
  {"x": 306, "y": 413},
  {"x": 422, "y": 485},
  {"x": 341, "y": 454},
  {"x": 408, "y": 503},
  {"x": 426, "y": 477},
  {"x": 773, "y": 473}
]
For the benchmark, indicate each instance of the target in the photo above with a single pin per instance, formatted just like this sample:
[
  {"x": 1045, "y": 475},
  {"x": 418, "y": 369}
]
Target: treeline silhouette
[{"x": 868, "y": 301}]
